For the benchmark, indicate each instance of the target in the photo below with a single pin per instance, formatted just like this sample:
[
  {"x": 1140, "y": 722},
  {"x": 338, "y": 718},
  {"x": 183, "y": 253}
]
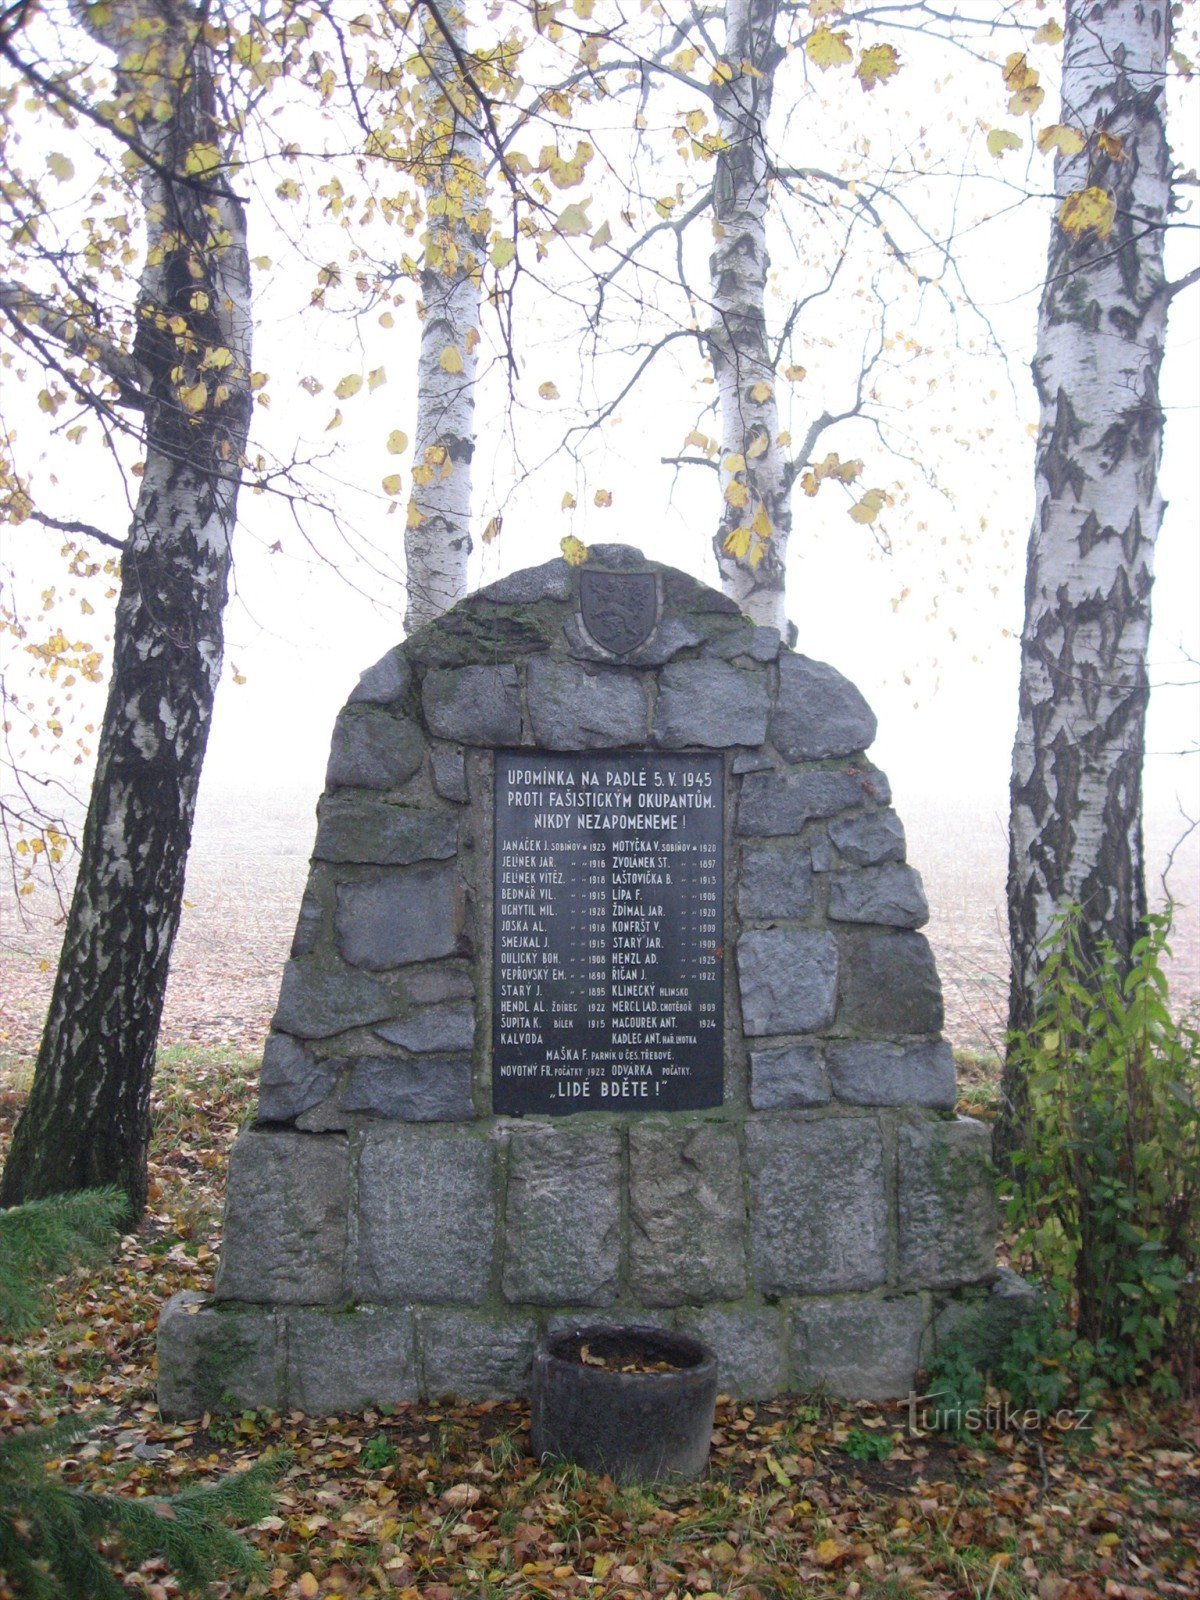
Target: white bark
[
  {"x": 1076, "y": 833},
  {"x": 738, "y": 336},
  {"x": 87, "y": 1121},
  {"x": 438, "y": 537}
]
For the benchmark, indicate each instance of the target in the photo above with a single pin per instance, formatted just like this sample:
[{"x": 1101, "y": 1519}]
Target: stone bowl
[{"x": 636, "y": 1426}]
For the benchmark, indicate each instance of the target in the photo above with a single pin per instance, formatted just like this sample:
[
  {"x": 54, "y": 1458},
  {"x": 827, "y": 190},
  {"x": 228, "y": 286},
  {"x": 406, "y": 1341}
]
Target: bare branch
[{"x": 27, "y": 310}]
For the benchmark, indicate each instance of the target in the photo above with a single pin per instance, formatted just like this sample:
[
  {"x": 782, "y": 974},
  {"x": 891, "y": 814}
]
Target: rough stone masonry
[{"x": 387, "y": 1236}]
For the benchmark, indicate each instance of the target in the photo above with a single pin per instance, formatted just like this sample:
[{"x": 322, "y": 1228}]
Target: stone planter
[{"x": 632, "y": 1425}]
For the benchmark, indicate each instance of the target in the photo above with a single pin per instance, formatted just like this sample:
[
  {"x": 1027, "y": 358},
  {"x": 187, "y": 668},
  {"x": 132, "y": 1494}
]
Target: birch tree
[
  {"x": 189, "y": 374},
  {"x": 437, "y": 540},
  {"x": 1076, "y": 790}
]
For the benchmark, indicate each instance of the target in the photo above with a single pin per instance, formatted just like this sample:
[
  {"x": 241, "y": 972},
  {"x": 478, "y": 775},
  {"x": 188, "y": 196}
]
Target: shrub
[{"x": 1107, "y": 1203}]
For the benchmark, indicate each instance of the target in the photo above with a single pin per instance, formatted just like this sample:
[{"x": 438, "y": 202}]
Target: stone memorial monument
[{"x": 606, "y": 1003}]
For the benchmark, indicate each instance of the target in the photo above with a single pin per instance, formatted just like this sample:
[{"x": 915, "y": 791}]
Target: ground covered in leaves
[{"x": 443, "y": 1502}]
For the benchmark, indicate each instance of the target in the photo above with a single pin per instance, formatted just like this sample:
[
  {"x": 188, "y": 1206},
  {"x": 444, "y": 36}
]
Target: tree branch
[{"x": 27, "y": 310}]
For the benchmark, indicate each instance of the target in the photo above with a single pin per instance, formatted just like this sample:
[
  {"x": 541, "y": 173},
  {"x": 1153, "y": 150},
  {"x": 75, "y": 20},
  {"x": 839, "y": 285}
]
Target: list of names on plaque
[{"x": 607, "y": 966}]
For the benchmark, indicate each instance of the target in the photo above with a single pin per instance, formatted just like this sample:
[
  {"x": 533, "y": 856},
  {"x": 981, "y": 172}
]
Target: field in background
[{"x": 250, "y": 857}]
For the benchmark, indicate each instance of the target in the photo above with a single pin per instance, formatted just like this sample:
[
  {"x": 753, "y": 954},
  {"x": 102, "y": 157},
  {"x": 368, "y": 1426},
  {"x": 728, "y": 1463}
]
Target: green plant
[
  {"x": 863, "y": 1446},
  {"x": 50, "y": 1530},
  {"x": 377, "y": 1453},
  {"x": 1107, "y": 1203}
]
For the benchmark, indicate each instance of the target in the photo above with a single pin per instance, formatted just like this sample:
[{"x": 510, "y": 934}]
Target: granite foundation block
[
  {"x": 819, "y": 713},
  {"x": 874, "y": 1073},
  {"x": 858, "y": 1347},
  {"x": 473, "y": 705},
  {"x": 788, "y": 980},
  {"x": 788, "y": 1079},
  {"x": 348, "y": 1360},
  {"x": 891, "y": 986},
  {"x": 426, "y": 1217},
  {"x": 710, "y": 704},
  {"x": 687, "y": 1214},
  {"x": 818, "y": 1206},
  {"x": 775, "y": 803},
  {"x": 217, "y": 1358},
  {"x": 406, "y": 914},
  {"x": 572, "y": 709},
  {"x": 563, "y": 1216},
  {"x": 286, "y": 1210},
  {"x": 750, "y": 1343},
  {"x": 947, "y": 1204},
  {"x": 374, "y": 750},
  {"x": 475, "y": 1355},
  {"x": 891, "y": 895}
]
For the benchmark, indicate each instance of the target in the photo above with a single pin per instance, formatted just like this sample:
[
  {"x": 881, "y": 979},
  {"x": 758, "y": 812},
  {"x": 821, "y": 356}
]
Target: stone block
[
  {"x": 788, "y": 1079},
  {"x": 776, "y": 881},
  {"x": 374, "y": 750},
  {"x": 891, "y": 895},
  {"x": 309, "y": 921},
  {"x": 426, "y": 1217},
  {"x": 349, "y": 1359},
  {"x": 316, "y": 1001},
  {"x": 571, "y": 709},
  {"x": 473, "y": 705},
  {"x": 687, "y": 1214},
  {"x": 890, "y": 985},
  {"x": 433, "y": 986},
  {"x": 947, "y": 1204},
  {"x": 385, "y": 683},
  {"x": 705, "y": 702},
  {"x": 449, "y": 765},
  {"x": 984, "y": 1323},
  {"x": 868, "y": 840},
  {"x": 286, "y": 1206},
  {"x": 859, "y": 1348},
  {"x": 217, "y": 1358},
  {"x": 406, "y": 914},
  {"x": 777, "y": 803},
  {"x": 551, "y": 581},
  {"x": 292, "y": 1079},
  {"x": 818, "y": 1206},
  {"x": 450, "y": 1026},
  {"x": 788, "y": 980},
  {"x": 750, "y": 1346},
  {"x": 358, "y": 828},
  {"x": 476, "y": 1355},
  {"x": 563, "y": 1216},
  {"x": 818, "y": 712},
  {"x": 432, "y": 1089},
  {"x": 873, "y": 1073}
]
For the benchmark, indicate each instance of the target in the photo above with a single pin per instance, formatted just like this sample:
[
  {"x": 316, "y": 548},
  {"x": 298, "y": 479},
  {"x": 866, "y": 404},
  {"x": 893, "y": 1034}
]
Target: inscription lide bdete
[{"x": 607, "y": 959}]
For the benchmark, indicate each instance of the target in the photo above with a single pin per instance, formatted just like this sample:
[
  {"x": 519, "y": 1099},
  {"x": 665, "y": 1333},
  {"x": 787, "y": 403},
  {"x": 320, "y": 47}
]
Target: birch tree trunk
[
  {"x": 437, "y": 540},
  {"x": 751, "y": 541},
  {"x": 1076, "y": 803},
  {"x": 87, "y": 1120}
]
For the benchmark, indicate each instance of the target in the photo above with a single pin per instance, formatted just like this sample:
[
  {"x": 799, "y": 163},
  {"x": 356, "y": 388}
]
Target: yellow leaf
[
  {"x": 603, "y": 498},
  {"x": 575, "y": 552},
  {"x": 335, "y": 421},
  {"x": 376, "y": 379},
  {"x": 492, "y": 531},
  {"x": 737, "y": 495},
  {"x": 737, "y": 543},
  {"x": 307, "y": 1586},
  {"x": 877, "y": 65},
  {"x": 601, "y": 237},
  {"x": 734, "y": 464},
  {"x": 350, "y": 385},
  {"x": 829, "y": 1552},
  {"x": 1112, "y": 146},
  {"x": 1088, "y": 209},
  {"x": 263, "y": 263},
  {"x": 761, "y": 392},
  {"x": 548, "y": 391},
  {"x": 392, "y": 483},
  {"x": 60, "y": 167},
  {"x": 1062, "y": 137},
  {"x": 397, "y": 442},
  {"x": 573, "y": 221},
  {"x": 194, "y": 397},
  {"x": 762, "y": 523},
  {"x": 568, "y": 502},
  {"x": 201, "y": 160},
  {"x": 1048, "y": 33},
  {"x": 795, "y": 374},
  {"x": 869, "y": 507},
  {"x": 503, "y": 250},
  {"x": 825, "y": 48},
  {"x": 415, "y": 517},
  {"x": 451, "y": 359},
  {"x": 386, "y": 319},
  {"x": 1000, "y": 140},
  {"x": 759, "y": 447},
  {"x": 602, "y": 1566},
  {"x": 824, "y": 8}
]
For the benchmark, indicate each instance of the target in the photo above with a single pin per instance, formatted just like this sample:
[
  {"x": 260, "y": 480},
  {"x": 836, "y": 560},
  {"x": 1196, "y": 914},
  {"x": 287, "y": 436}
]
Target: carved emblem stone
[{"x": 619, "y": 609}]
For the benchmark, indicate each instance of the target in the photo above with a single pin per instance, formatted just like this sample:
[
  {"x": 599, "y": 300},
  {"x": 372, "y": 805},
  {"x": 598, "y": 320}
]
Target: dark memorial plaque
[{"x": 607, "y": 958}]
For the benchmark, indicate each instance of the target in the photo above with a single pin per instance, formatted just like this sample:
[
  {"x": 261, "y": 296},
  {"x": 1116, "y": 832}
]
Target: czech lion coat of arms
[{"x": 619, "y": 609}]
